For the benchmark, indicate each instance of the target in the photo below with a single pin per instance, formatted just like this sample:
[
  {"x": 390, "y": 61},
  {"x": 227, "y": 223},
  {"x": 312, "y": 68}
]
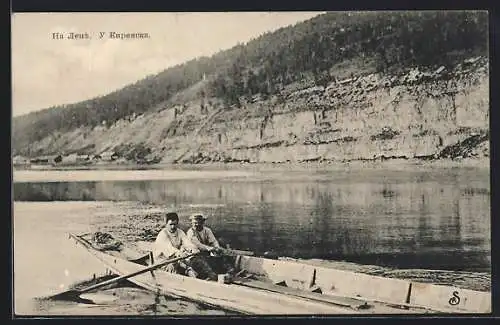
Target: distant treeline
[{"x": 391, "y": 39}]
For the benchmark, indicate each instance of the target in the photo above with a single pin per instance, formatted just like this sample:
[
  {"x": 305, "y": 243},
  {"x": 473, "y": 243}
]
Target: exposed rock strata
[{"x": 419, "y": 114}]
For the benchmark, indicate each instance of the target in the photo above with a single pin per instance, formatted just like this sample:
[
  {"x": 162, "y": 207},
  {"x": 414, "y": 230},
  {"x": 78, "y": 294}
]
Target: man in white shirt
[
  {"x": 172, "y": 242},
  {"x": 203, "y": 238}
]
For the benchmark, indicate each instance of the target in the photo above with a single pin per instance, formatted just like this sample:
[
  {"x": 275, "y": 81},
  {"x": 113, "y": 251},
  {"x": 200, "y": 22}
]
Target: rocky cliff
[{"x": 431, "y": 114}]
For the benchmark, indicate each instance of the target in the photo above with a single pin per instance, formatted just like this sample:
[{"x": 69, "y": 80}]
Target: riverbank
[
  {"x": 368, "y": 116},
  {"x": 393, "y": 164},
  {"x": 282, "y": 172}
]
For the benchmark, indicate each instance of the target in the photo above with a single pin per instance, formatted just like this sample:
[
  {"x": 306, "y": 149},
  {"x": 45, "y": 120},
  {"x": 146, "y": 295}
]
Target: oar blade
[
  {"x": 74, "y": 295},
  {"x": 69, "y": 295}
]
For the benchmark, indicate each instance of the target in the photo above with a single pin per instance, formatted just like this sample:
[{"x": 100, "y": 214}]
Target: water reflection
[{"x": 418, "y": 220}]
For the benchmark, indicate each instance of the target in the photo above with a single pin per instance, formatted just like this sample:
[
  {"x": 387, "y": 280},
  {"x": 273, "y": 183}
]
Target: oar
[
  {"x": 74, "y": 294},
  {"x": 236, "y": 252}
]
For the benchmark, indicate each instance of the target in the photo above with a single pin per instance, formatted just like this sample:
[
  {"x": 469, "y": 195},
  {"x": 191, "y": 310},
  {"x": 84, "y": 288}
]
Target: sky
[{"x": 47, "y": 71}]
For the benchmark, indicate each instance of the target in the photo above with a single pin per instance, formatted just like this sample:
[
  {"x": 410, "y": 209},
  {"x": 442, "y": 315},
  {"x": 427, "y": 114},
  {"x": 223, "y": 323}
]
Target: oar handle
[{"x": 144, "y": 270}]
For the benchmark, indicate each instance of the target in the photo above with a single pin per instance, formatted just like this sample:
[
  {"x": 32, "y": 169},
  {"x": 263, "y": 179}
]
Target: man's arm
[
  {"x": 196, "y": 242},
  {"x": 211, "y": 238}
]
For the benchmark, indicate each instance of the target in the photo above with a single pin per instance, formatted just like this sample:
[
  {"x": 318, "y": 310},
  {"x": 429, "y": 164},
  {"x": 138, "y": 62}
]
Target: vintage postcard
[{"x": 251, "y": 163}]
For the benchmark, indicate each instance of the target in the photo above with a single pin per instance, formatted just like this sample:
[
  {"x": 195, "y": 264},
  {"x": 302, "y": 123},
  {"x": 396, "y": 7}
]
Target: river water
[{"x": 426, "y": 219}]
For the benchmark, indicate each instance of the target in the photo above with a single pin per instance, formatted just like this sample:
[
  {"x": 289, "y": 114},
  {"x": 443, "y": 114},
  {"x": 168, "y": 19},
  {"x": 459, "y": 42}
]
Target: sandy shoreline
[
  {"x": 233, "y": 170},
  {"x": 389, "y": 163},
  {"x": 25, "y": 176}
]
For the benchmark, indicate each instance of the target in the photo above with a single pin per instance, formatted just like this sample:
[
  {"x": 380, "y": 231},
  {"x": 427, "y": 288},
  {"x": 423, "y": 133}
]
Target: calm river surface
[{"x": 427, "y": 219}]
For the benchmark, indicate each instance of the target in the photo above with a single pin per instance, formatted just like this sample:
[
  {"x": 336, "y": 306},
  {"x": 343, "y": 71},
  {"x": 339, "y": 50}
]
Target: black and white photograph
[{"x": 173, "y": 164}]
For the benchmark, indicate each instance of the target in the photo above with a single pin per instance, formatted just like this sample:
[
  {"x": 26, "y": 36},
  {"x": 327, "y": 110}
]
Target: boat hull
[
  {"x": 385, "y": 295},
  {"x": 390, "y": 291},
  {"x": 225, "y": 296}
]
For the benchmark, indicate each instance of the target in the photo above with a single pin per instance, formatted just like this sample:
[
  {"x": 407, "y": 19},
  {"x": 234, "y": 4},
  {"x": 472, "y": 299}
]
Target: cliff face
[{"x": 417, "y": 114}]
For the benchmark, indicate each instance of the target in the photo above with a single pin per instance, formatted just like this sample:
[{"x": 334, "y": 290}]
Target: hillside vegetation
[{"x": 332, "y": 70}]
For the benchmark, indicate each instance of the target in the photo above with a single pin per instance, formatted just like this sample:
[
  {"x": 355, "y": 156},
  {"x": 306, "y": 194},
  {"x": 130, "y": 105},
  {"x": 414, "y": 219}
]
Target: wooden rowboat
[{"x": 268, "y": 286}]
